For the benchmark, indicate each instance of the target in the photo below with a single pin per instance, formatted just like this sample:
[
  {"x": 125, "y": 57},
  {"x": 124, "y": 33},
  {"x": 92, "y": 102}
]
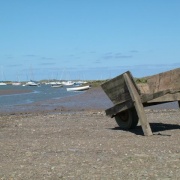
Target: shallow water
[
  {"x": 46, "y": 98},
  {"x": 36, "y": 94}
]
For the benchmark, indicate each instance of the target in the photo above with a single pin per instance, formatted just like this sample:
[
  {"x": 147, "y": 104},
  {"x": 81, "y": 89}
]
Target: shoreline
[{"x": 92, "y": 100}]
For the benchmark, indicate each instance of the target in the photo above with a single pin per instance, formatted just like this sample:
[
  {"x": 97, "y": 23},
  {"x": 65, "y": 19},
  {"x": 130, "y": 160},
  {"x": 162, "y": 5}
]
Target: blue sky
[{"x": 88, "y": 39}]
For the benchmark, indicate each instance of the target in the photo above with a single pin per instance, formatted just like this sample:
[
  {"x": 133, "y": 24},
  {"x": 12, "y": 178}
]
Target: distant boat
[
  {"x": 56, "y": 85},
  {"x": 16, "y": 83},
  {"x": 68, "y": 83},
  {"x": 79, "y": 83},
  {"x": 2, "y": 84},
  {"x": 31, "y": 83},
  {"x": 79, "y": 88}
]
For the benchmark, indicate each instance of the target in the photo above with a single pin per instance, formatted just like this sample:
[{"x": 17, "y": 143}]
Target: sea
[{"x": 35, "y": 94}]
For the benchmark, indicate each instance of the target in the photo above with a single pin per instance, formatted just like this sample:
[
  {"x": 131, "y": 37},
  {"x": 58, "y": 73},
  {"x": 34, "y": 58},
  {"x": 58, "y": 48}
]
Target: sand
[
  {"x": 13, "y": 91},
  {"x": 83, "y": 143}
]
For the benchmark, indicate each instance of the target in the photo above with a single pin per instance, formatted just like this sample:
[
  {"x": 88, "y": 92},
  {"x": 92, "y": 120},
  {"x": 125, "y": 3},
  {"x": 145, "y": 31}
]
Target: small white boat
[
  {"x": 79, "y": 88},
  {"x": 31, "y": 83},
  {"x": 68, "y": 83},
  {"x": 2, "y": 84},
  {"x": 56, "y": 85},
  {"x": 16, "y": 83}
]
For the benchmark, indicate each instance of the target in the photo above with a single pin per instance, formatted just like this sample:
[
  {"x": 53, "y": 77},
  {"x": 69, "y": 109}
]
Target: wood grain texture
[
  {"x": 166, "y": 80},
  {"x": 138, "y": 105},
  {"x": 116, "y": 89}
]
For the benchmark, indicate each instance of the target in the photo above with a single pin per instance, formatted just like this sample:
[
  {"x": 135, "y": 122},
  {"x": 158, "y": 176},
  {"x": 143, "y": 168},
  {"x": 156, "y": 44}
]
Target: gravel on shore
[
  {"x": 88, "y": 145},
  {"x": 72, "y": 138}
]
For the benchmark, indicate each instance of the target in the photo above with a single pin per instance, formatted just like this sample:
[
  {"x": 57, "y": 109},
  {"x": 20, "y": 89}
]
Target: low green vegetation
[
  {"x": 97, "y": 83},
  {"x": 140, "y": 80}
]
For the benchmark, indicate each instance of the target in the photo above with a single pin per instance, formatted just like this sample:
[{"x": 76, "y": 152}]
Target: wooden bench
[{"x": 130, "y": 98}]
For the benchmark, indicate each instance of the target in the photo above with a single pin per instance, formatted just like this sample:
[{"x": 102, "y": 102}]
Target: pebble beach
[{"x": 54, "y": 139}]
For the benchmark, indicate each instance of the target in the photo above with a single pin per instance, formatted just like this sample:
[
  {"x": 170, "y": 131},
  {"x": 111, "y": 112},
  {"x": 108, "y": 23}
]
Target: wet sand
[
  {"x": 12, "y": 91},
  {"x": 74, "y": 139}
]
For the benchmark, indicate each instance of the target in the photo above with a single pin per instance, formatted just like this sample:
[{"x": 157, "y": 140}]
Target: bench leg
[
  {"x": 138, "y": 105},
  {"x": 179, "y": 104}
]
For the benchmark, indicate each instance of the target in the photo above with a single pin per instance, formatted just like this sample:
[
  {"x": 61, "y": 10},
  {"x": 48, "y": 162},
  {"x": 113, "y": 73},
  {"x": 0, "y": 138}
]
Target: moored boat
[
  {"x": 56, "y": 85},
  {"x": 79, "y": 88},
  {"x": 68, "y": 83},
  {"x": 31, "y": 83},
  {"x": 2, "y": 84},
  {"x": 16, "y": 83}
]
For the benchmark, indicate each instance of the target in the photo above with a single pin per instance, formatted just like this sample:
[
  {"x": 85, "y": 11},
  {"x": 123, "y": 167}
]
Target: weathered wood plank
[
  {"x": 117, "y": 95},
  {"x": 133, "y": 82},
  {"x": 119, "y": 108},
  {"x": 156, "y": 98},
  {"x": 144, "y": 88},
  {"x": 167, "y": 98},
  {"x": 148, "y": 97},
  {"x": 115, "y": 82},
  {"x": 138, "y": 105},
  {"x": 117, "y": 90},
  {"x": 166, "y": 80},
  {"x": 115, "y": 87}
]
